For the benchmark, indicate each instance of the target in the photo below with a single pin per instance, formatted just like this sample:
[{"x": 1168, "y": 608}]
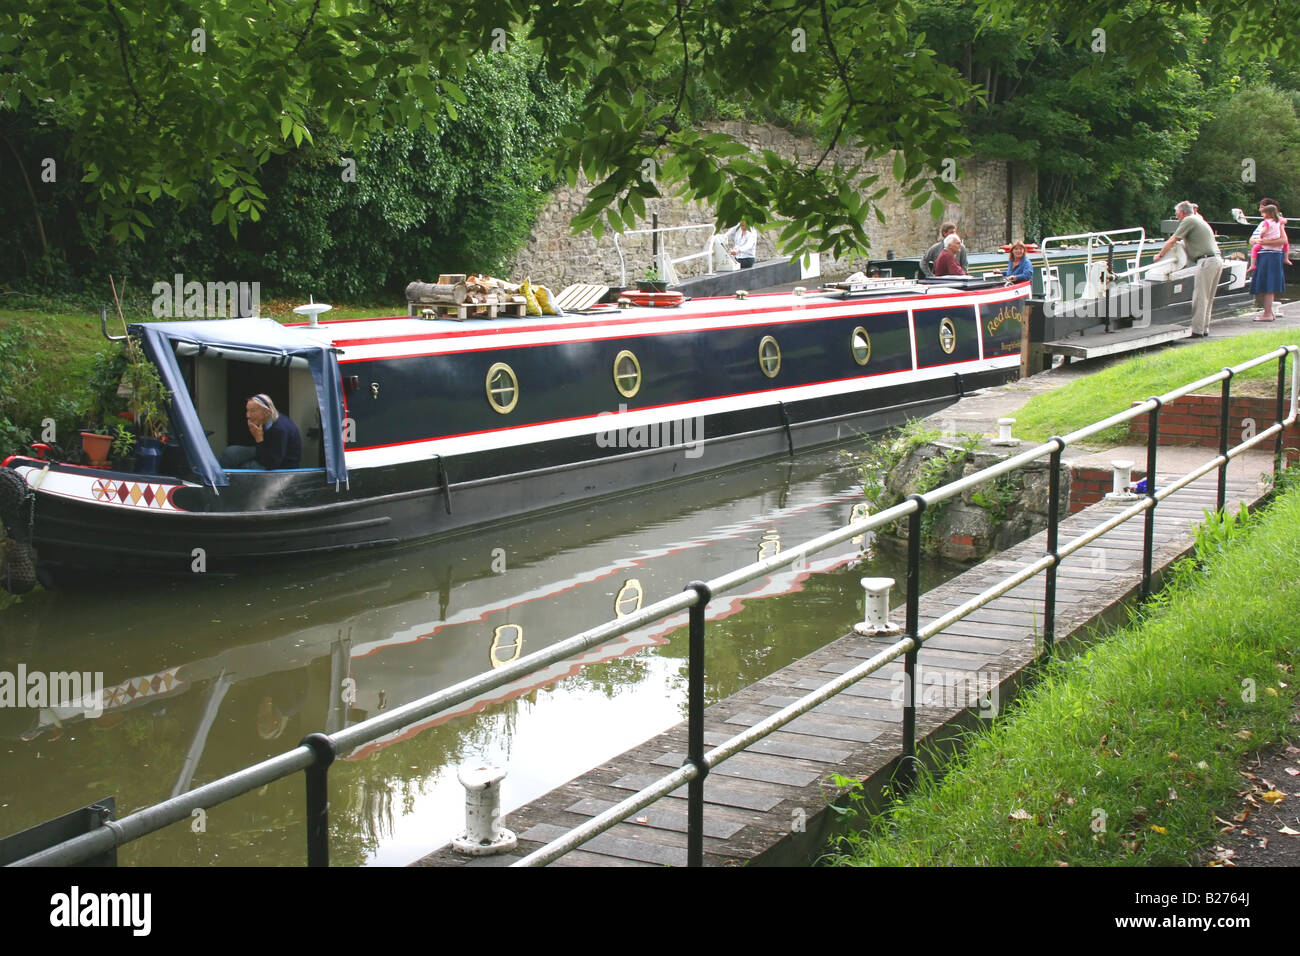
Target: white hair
[
  {"x": 952, "y": 242},
  {"x": 265, "y": 401},
  {"x": 1185, "y": 207}
]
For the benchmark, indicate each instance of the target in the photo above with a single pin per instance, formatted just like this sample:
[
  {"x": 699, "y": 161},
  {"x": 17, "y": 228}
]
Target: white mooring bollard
[
  {"x": 1122, "y": 480},
  {"x": 1004, "y": 433},
  {"x": 876, "y": 619},
  {"x": 484, "y": 833}
]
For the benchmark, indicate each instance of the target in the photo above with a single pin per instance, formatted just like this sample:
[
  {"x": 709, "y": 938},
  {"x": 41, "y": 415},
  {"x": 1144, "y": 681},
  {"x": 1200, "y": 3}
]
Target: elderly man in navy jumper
[{"x": 278, "y": 441}]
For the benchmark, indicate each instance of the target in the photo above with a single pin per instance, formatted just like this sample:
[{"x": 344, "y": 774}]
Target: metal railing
[
  {"x": 664, "y": 263},
  {"x": 1093, "y": 242},
  {"x": 317, "y": 751}
]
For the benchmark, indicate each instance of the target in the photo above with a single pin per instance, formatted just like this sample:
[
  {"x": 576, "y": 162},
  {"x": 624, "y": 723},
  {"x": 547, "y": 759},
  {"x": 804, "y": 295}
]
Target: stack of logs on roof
[{"x": 460, "y": 289}]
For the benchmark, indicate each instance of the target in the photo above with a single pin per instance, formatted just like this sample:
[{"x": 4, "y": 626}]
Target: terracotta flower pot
[{"x": 96, "y": 446}]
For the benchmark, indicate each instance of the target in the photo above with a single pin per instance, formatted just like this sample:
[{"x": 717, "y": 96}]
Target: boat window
[
  {"x": 769, "y": 356},
  {"x": 502, "y": 388},
  {"x": 947, "y": 335},
  {"x": 861, "y": 345},
  {"x": 627, "y": 374}
]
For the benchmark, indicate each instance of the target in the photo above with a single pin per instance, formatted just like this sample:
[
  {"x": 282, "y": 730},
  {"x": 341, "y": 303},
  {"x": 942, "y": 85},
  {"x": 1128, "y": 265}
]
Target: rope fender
[
  {"x": 16, "y": 505},
  {"x": 17, "y": 512}
]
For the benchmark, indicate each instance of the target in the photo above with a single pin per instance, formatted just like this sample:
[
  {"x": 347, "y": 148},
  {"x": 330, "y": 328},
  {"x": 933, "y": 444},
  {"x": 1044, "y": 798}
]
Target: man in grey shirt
[
  {"x": 1203, "y": 253},
  {"x": 931, "y": 254}
]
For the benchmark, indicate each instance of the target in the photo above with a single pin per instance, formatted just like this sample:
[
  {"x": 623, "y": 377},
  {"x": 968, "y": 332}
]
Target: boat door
[{"x": 244, "y": 379}]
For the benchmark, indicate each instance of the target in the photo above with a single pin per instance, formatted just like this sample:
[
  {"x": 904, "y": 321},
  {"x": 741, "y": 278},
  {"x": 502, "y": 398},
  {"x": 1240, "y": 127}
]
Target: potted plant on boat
[
  {"x": 123, "y": 447},
  {"x": 653, "y": 282},
  {"x": 103, "y": 405},
  {"x": 149, "y": 398}
]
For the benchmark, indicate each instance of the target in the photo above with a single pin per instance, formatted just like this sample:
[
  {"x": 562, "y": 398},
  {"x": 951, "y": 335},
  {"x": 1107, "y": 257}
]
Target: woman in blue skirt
[{"x": 1268, "y": 280}]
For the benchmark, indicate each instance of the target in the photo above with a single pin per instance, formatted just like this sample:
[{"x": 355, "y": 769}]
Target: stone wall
[
  {"x": 983, "y": 520},
  {"x": 556, "y": 257}
]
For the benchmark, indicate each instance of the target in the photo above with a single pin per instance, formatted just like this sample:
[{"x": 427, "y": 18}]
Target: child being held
[{"x": 1272, "y": 226}]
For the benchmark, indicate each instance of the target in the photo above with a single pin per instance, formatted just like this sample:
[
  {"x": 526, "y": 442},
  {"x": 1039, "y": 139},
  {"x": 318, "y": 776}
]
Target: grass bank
[
  {"x": 1102, "y": 393},
  {"x": 1122, "y": 755}
]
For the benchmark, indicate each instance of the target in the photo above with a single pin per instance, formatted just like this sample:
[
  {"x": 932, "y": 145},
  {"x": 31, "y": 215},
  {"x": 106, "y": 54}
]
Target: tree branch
[{"x": 124, "y": 49}]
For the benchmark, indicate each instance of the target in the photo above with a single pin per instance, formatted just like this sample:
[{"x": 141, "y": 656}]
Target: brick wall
[
  {"x": 1089, "y": 485},
  {"x": 1194, "y": 420}
]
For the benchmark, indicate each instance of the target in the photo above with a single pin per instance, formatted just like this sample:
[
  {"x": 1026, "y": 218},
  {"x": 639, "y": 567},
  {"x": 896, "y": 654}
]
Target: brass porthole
[
  {"x": 769, "y": 356},
  {"x": 947, "y": 335},
  {"x": 860, "y": 343},
  {"x": 629, "y": 598},
  {"x": 506, "y": 639},
  {"x": 502, "y": 388},
  {"x": 627, "y": 374}
]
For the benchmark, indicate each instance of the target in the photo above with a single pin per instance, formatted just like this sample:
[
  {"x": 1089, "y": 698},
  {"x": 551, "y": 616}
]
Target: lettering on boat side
[
  {"x": 76, "y": 908},
  {"x": 1005, "y": 314},
  {"x": 688, "y": 432},
  {"x": 64, "y": 692},
  {"x": 211, "y": 300}
]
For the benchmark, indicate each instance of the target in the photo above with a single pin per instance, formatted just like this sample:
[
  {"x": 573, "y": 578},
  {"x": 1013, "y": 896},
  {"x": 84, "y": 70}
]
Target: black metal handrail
[{"x": 317, "y": 751}]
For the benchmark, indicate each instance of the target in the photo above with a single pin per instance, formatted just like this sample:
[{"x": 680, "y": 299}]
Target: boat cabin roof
[{"x": 354, "y": 337}]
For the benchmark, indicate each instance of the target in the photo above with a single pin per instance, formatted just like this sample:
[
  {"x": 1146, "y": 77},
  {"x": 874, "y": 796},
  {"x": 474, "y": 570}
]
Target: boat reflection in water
[{"x": 202, "y": 679}]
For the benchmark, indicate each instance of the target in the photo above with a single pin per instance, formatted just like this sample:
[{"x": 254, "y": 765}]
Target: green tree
[
  {"x": 1249, "y": 149},
  {"x": 1103, "y": 143},
  {"x": 339, "y": 221},
  {"x": 165, "y": 97}
]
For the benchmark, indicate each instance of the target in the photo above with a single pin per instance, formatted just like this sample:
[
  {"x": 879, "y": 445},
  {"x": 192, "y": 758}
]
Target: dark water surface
[{"x": 209, "y": 676}]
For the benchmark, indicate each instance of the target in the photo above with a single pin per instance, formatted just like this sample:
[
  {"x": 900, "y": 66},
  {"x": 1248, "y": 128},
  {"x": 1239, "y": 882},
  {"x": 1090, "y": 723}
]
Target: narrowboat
[{"x": 414, "y": 427}]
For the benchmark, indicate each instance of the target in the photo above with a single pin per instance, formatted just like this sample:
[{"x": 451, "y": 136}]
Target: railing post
[
  {"x": 908, "y": 769},
  {"x": 1148, "y": 533},
  {"x": 1281, "y": 416},
  {"x": 695, "y": 727},
  {"x": 1053, "y": 521},
  {"x": 1224, "y": 397},
  {"x": 318, "y": 821}
]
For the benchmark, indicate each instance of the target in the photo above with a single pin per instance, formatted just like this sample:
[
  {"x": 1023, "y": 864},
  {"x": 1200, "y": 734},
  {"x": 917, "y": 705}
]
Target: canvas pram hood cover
[{"x": 243, "y": 340}]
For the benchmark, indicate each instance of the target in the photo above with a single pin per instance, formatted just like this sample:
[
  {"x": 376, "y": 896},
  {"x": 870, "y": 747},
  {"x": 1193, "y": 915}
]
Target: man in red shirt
[{"x": 947, "y": 264}]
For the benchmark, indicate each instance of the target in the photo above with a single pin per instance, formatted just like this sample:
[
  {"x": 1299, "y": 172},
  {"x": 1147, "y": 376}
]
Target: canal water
[{"x": 203, "y": 677}]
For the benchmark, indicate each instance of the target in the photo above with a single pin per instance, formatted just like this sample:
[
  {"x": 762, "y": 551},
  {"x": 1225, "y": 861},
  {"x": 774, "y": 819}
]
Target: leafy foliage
[
  {"x": 1103, "y": 134},
  {"x": 1255, "y": 136},
  {"x": 338, "y": 222},
  {"x": 208, "y": 106},
  {"x": 211, "y": 96}
]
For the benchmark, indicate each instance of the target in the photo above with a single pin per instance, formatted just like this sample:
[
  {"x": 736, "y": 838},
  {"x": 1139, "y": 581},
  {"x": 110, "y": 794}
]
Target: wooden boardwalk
[{"x": 768, "y": 805}]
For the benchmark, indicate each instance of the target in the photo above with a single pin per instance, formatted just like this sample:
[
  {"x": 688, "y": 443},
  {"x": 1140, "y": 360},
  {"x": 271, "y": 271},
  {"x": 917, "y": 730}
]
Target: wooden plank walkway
[
  {"x": 1098, "y": 344},
  {"x": 768, "y": 805}
]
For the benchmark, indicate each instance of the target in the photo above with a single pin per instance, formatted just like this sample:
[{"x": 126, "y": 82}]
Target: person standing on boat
[
  {"x": 932, "y": 254},
  {"x": 1019, "y": 268},
  {"x": 1202, "y": 251},
  {"x": 744, "y": 244},
  {"x": 278, "y": 441},
  {"x": 949, "y": 262},
  {"x": 1268, "y": 280}
]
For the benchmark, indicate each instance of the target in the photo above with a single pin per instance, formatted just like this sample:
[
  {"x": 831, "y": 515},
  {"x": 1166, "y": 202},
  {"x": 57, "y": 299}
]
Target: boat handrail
[
  {"x": 1093, "y": 242},
  {"x": 664, "y": 263}
]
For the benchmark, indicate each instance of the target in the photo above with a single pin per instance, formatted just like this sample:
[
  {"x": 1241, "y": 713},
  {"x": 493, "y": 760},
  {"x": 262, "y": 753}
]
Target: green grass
[
  {"x": 1114, "y": 389},
  {"x": 1122, "y": 755}
]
